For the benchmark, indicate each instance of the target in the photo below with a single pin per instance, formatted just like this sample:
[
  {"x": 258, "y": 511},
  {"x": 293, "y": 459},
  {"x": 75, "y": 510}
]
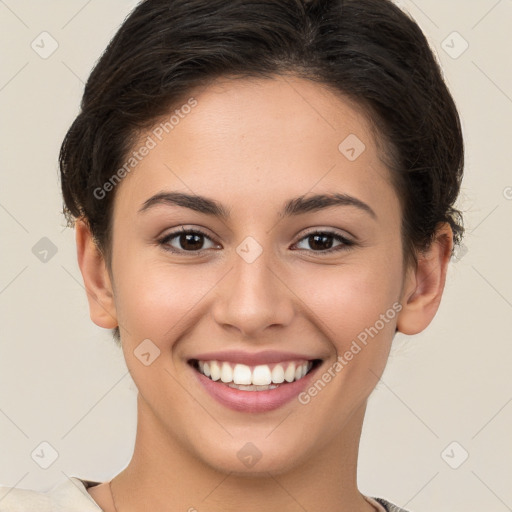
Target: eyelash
[{"x": 164, "y": 241}]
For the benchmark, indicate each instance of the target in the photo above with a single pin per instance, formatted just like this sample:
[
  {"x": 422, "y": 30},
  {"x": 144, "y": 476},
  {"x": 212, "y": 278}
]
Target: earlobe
[
  {"x": 423, "y": 287},
  {"x": 96, "y": 278}
]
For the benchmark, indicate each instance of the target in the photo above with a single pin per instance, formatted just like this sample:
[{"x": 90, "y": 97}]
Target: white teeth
[
  {"x": 215, "y": 370},
  {"x": 301, "y": 371},
  {"x": 226, "y": 374},
  {"x": 242, "y": 374},
  {"x": 259, "y": 378},
  {"x": 278, "y": 374},
  {"x": 252, "y": 387},
  {"x": 289, "y": 374}
]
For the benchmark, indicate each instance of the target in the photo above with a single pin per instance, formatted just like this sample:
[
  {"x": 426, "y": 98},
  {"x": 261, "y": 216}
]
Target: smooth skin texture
[{"x": 252, "y": 145}]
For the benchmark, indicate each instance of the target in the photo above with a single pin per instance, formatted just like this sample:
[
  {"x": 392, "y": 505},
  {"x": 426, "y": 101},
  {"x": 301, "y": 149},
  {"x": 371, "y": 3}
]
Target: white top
[
  {"x": 72, "y": 496},
  {"x": 68, "y": 496}
]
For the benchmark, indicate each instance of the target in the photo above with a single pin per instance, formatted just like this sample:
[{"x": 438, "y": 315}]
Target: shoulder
[
  {"x": 388, "y": 506},
  {"x": 70, "y": 495},
  {"x": 22, "y": 500}
]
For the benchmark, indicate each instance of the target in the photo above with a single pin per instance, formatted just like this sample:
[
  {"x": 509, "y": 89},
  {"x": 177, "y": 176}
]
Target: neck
[{"x": 163, "y": 475}]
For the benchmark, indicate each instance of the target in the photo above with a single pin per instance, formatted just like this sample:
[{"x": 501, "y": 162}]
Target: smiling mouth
[{"x": 261, "y": 377}]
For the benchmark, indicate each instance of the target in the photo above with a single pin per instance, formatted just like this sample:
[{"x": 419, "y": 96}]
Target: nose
[{"x": 253, "y": 297}]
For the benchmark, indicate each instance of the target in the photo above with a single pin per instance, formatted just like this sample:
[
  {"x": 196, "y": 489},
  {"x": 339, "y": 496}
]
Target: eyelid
[
  {"x": 346, "y": 242},
  {"x": 326, "y": 230}
]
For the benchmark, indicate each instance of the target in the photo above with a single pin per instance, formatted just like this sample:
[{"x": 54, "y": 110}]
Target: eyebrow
[{"x": 293, "y": 207}]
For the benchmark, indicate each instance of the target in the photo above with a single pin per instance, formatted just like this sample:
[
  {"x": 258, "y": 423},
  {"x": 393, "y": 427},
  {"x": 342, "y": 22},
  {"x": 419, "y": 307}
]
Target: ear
[
  {"x": 424, "y": 285},
  {"x": 96, "y": 278}
]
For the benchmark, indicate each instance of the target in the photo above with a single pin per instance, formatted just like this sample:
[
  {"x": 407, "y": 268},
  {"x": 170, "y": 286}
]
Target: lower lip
[{"x": 254, "y": 401}]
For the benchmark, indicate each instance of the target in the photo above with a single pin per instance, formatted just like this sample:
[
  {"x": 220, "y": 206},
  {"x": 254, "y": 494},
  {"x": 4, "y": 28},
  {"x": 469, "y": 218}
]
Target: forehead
[{"x": 245, "y": 138}]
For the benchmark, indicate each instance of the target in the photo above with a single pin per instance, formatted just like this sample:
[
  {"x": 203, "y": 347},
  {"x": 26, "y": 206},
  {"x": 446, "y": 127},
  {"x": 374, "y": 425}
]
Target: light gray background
[{"x": 64, "y": 382}]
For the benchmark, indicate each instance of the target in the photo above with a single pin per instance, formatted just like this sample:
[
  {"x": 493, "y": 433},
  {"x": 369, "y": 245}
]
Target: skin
[{"x": 252, "y": 145}]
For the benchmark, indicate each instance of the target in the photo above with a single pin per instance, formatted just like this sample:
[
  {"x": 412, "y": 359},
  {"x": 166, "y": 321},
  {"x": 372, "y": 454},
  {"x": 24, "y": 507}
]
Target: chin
[{"x": 255, "y": 458}]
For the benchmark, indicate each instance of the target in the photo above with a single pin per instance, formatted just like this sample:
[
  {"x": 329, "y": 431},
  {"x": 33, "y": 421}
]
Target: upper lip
[{"x": 253, "y": 359}]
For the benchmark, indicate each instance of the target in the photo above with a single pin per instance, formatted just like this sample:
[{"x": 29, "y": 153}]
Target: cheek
[
  {"x": 352, "y": 298},
  {"x": 156, "y": 299},
  {"x": 356, "y": 310},
  {"x": 159, "y": 302}
]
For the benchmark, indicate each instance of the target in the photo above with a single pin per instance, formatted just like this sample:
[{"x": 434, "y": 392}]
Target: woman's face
[{"x": 256, "y": 287}]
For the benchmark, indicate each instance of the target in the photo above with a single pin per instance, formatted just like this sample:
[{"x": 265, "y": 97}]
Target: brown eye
[
  {"x": 185, "y": 240},
  {"x": 322, "y": 241}
]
